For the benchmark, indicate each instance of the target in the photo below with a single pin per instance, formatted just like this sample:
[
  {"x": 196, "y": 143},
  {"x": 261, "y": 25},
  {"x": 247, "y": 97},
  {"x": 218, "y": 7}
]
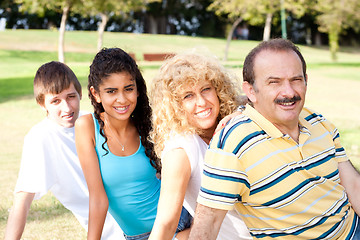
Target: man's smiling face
[{"x": 279, "y": 90}]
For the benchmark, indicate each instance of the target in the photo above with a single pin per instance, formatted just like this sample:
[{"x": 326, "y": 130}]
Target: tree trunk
[
  {"x": 153, "y": 27},
  {"x": 101, "y": 29},
  {"x": 230, "y": 35},
  {"x": 162, "y": 25},
  {"x": 61, "y": 55},
  {"x": 334, "y": 42},
  {"x": 267, "y": 28},
  {"x": 317, "y": 39}
]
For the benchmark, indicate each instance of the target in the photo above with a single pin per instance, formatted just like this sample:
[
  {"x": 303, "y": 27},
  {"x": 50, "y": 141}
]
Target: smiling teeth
[
  {"x": 120, "y": 108},
  {"x": 288, "y": 104},
  {"x": 203, "y": 113},
  {"x": 69, "y": 115}
]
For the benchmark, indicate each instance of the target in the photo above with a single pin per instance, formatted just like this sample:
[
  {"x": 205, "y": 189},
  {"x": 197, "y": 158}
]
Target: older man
[{"x": 280, "y": 165}]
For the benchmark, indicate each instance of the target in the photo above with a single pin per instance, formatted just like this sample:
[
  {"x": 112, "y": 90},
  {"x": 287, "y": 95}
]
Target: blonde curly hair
[{"x": 167, "y": 87}]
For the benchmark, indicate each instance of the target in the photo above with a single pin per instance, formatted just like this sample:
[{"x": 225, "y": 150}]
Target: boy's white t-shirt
[
  {"x": 233, "y": 226},
  {"x": 50, "y": 162}
]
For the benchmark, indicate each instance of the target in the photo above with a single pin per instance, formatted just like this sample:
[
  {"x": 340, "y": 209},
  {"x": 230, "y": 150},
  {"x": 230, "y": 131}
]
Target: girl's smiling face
[{"x": 118, "y": 95}]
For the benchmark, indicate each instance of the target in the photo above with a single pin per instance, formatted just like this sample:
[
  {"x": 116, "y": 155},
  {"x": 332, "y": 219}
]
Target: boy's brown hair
[{"x": 53, "y": 77}]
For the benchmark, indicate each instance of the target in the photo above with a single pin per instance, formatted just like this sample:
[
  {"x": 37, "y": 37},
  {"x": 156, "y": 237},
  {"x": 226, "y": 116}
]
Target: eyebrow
[
  {"x": 54, "y": 98},
  {"x": 130, "y": 85},
  {"x": 184, "y": 93},
  {"x": 273, "y": 77},
  {"x": 57, "y": 95},
  {"x": 110, "y": 88},
  {"x": 299, "y": 76}
]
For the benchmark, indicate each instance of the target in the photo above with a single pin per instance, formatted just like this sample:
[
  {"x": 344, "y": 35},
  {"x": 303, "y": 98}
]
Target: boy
[{"x": 49, "y": 159}]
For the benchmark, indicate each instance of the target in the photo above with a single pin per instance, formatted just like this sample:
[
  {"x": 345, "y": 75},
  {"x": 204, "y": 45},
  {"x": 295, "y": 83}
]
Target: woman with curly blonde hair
[{"x": 189, "y": 96}]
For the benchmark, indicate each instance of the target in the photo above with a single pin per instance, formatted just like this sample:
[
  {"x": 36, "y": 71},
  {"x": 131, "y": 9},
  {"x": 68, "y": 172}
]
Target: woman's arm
[
  {"x": 175, "y": 175},
  {"x": 98, "y": 201}
]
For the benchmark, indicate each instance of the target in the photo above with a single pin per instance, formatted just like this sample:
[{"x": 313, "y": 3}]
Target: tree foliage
[
  {"x": 40, "y": 6},
  {"x": 255, "y": 12},
  {"x": 107, "y": 8},
  {"x": 334, "y": 17},
  {"x": 185, "y": 17}
]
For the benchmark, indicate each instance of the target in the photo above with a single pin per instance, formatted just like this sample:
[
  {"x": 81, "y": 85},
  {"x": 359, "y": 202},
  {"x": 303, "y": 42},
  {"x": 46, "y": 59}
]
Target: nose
[
  {"x": 65, "y": 106},
  {"x": 120, "y": 98},
  {"x": 200, "y": 100},
  {"x": 287, "y": 89}
]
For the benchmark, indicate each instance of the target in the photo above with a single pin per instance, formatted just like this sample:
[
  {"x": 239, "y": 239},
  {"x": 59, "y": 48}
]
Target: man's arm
[
  {"x": 17, "y": 217},
  {"x": 207, "y": 223},
  {"x": 350, "y": 179}
]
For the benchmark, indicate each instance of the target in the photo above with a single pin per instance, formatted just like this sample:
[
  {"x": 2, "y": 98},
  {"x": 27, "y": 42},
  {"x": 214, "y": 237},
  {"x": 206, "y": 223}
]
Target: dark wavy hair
[{"x": 115, "y": 60}]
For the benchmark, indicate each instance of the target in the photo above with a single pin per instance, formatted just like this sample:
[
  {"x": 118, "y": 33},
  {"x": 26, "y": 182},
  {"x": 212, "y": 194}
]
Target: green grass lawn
[{"x": 333, "y": 89}]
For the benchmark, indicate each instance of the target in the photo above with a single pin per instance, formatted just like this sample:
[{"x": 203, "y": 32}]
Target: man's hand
[{"x": 227, "y": 118}]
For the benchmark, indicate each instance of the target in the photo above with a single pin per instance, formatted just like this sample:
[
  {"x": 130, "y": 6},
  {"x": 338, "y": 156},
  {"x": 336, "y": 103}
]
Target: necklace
[{"x": 122, "y": 146}]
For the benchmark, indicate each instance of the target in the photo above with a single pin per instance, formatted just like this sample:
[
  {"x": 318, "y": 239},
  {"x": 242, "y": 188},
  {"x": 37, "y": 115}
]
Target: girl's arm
[
  {"x": 98, "y": 201},
  {"x": 175, "y": 175}
]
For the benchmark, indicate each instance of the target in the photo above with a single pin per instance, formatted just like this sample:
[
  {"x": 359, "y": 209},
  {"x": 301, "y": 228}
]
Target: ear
[
  {"x": 95, "y": 94},
  {"x": 249, "y": 90}
]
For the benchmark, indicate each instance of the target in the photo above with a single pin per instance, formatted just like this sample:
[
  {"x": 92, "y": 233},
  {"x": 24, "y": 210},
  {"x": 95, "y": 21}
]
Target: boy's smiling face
[{"x": 63, "y": 108}]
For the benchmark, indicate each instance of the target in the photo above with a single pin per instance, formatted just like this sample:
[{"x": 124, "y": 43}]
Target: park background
[{"x": 333, "y": 87}]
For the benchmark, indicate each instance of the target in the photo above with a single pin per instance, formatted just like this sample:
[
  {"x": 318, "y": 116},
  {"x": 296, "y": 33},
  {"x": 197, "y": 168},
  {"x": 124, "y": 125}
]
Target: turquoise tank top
[{"x": 131, "y": 186}]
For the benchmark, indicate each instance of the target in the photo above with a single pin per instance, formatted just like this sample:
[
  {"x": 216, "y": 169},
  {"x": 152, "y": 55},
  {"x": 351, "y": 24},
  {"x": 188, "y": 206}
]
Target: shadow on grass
[
  {"x": 43, "y": 56},
  {"x": 19, "y": 87},
  {"x": 13, "y": 88},
  {"x": 40, "y": 56},
  {"x": 343, "y": 49},
  {"x": 335, "y": 64},
  {"x": 4, "y": 213}
]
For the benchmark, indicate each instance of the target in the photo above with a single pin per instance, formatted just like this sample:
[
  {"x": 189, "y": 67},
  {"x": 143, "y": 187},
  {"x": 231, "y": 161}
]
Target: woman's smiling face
[{"x": 201, "y": 105}]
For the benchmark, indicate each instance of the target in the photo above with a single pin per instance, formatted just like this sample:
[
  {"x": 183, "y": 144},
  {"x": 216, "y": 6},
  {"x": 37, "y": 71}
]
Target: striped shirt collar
[{"x": 270, "y": 128}]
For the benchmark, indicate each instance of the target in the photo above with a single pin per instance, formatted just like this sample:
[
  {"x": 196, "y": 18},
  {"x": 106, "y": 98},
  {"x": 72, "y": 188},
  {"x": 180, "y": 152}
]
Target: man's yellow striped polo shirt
[{"x": 281, "y": 188}]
